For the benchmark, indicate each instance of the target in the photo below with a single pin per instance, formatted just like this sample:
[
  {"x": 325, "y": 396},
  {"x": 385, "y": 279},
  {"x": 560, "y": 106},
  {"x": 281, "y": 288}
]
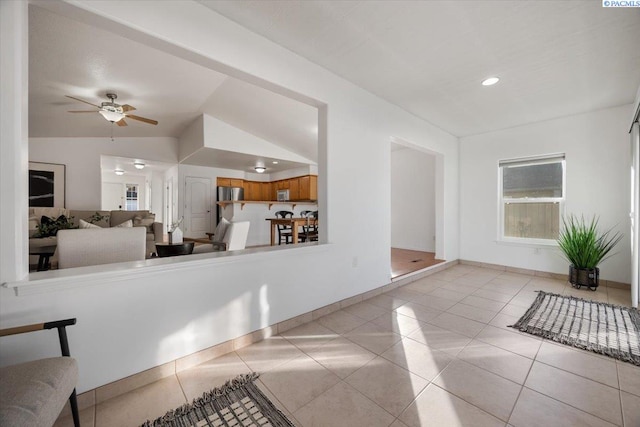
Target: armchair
[{"x": 34, "y": 393}]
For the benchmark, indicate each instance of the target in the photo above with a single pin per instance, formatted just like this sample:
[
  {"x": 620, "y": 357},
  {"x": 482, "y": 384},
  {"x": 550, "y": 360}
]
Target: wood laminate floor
[{"x": 404, "y": 261}]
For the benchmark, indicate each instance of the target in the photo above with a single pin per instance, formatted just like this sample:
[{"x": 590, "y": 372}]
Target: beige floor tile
[
  {"x": 310, "y": 335},
  {"x": 484, "y": 303},
  {"x": 524, "y": 298},
  {"x": 461, "y": 288},
  {"x": 514, "y": 310},
  {"x": 502, "y": 287},
  {"x": 341, "y": 356},
  {"x": 422, "y": 286},
  {"x": 619, "y": 296},
  {"x": 473, "y": 313},
  {"x": 266, "y": 355},
  {"x": 440, "y": 339},
  {"x": 214, "y": 373},
  {"x": 398, "y": 423},
  {"x": 503, "y": 321},
  {"x": 517, "y": 343},
  {"x": 341, "y": 322},
  {"x": 137, "y": 406},
  {"x": 398, "y": 323},
  {"x": 265, "y": 390},
  {"x": 374, "y": 338},
  {"x": 417, "y": 311},
  {"x": 365, "y": 310},
  {"x": 436, "y": 407},
  {"x": 589, "y": 396},
  {"x": 630, "y": 409},
  {"x": 494, "y": 359},
  {"x": 481, "y": 388},
  {"x": 493, "y": 295},
  {"x": 387, "y": 302},
  {"x": 297, "y": 382},
  {"x": 435, "y": 303},
  {"x": 418, "y": 358},
  {"x": 461, "y": 325},
  {"x": 387, "y": 384},
  {"x": 629, "y": 376},
  {"x": 473, "y": 280},
  {"x": 580, "y": 363},
  {"x": 342, "y": 405},
  {"x": 448, "y": 294},
  {"x": 404, "y": 293},
  {"x": 87, "y": 418},
  {"x": 534, "y": 410}
]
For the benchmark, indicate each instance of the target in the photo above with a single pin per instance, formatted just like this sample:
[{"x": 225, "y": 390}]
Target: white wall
[
  {"x": 413, "y": 213},
  {"x": 82, "y": 159},
  {"x": 140, "y": 180},
  {"x": 596, "y": 145},
  {"x": 133, "y": 319}
]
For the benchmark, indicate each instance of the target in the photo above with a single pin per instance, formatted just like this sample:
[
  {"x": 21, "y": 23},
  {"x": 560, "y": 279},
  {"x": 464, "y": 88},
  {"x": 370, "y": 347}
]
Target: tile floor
[{"x": 436, "y": 352}]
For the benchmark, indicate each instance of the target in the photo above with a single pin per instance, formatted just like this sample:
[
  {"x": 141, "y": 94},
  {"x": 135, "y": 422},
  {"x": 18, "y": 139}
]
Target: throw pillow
[
  {"x": 84, "y": 224},
  {"x": 49, "y": 226},
  {"x": 146, "y": 221},
  {"x": 220, "y": 230},
  {"x": 126, "y": 224},
  {"x": 33, "y": 225}
]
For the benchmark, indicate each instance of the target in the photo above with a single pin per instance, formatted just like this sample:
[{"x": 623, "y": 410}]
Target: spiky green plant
[{"x": 583, "y": 245}]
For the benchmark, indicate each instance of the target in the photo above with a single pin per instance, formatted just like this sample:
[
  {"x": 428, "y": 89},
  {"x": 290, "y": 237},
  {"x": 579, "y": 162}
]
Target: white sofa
[{"x": 95, "y": 246}]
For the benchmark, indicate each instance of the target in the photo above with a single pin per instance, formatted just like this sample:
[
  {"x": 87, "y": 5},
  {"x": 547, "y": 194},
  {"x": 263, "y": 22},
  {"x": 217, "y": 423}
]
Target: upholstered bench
[{"x": 33, "y": 393}]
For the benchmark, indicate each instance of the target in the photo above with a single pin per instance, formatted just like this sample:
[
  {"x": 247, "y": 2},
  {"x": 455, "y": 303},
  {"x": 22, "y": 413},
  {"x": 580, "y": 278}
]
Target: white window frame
[{"x": 535, "y": 160}]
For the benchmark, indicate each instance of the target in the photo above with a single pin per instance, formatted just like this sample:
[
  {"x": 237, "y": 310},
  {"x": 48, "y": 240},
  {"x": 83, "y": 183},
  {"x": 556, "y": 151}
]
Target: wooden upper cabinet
[
  {"x": 294, "y": 189},
  {"x": 305, "y": 189},
  {"x": 236, "y": 182},
  {"x": 313, "y": 187},
  {"x": 223, "y": 182},
  {"x": 266, "y": 191}
]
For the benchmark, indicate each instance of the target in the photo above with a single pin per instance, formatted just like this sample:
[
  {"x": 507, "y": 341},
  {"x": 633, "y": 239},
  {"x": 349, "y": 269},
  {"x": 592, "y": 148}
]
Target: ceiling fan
[{"x": 115, "y": 113}]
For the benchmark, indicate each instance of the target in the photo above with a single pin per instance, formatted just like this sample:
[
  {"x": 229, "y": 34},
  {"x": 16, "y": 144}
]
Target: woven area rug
[
  {"x": 599, "y": 327},
  {"x": 238, "y": 403}
]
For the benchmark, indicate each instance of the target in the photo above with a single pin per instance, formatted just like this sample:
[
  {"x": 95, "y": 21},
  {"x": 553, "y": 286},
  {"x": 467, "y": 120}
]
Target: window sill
[{"x": 528, "y": 243}]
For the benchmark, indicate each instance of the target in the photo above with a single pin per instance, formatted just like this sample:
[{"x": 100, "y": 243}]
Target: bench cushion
[{"x": 34, "y": 393}]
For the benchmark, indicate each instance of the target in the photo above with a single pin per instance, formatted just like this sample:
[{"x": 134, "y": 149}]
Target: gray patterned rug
[
  {"x": 599, "y": 327},
  {"x": 238, "y": 403}
]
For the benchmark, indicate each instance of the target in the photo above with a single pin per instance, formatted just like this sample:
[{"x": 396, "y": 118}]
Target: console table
[{"x": 44, "y": 254}]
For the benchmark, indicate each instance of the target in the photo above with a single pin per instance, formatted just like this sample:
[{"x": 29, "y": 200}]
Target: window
[
  {"x": 532, "y": 194},
  {"x": 131, "y": 197}
]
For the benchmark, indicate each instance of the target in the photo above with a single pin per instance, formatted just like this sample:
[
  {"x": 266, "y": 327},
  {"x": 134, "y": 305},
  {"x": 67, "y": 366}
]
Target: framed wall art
[{"x": 46, "y": 185}]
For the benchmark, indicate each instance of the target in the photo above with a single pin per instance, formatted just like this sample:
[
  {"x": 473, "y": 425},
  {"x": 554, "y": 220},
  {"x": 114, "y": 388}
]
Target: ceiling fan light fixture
[
  {"x": 139, "y": 165},
  {"x": 490, "y": 81},
  {"x": 112, "y": 116},
  {"x": 260, "y": 169},
  {"x": 119, "y": 172}
]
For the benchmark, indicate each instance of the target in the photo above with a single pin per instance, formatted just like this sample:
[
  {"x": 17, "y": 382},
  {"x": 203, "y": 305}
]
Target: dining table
[{"x": 294, "y": 223}]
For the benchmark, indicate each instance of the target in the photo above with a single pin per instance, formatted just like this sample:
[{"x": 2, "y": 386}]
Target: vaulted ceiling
[{"x": 554, "y": 58}]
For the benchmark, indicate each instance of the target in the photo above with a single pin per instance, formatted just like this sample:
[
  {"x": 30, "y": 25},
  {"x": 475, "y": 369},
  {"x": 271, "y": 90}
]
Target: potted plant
[{"x": 585, "y": 248}]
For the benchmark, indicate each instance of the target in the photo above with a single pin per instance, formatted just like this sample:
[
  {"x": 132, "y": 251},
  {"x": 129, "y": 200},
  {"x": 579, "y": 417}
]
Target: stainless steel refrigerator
[{"x": 228, "y": 194}]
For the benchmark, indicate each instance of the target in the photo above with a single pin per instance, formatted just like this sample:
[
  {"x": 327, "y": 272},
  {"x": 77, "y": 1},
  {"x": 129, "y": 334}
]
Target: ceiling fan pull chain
[{"x": 111, "y": 131}]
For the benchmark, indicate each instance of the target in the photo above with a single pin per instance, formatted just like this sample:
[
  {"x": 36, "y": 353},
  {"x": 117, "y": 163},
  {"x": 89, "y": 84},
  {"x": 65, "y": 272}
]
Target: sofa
[
  {"x": 96, "y": 246},
  {"x": 103, "y": 219}
]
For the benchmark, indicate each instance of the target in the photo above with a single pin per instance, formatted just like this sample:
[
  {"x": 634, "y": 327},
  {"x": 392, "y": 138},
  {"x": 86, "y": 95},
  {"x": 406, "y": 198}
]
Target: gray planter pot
[{"x": 589, "y": 277}]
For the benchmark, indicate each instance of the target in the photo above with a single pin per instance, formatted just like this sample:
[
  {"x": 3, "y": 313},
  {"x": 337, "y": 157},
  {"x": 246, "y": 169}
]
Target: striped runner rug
[
  {"x": 590, "y": 325},
  {"x": 238, "y": 403}
]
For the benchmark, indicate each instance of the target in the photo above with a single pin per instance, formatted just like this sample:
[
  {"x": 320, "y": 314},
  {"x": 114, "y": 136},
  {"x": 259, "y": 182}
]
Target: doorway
[
  {"x": 413, "y": 209},
  {"x": 197, "y": 207}
]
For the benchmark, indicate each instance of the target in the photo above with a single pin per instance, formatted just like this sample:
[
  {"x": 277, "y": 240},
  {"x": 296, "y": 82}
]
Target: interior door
[
  {"x": 112, "y": 196},
  {"x": 197, "y": 208}
]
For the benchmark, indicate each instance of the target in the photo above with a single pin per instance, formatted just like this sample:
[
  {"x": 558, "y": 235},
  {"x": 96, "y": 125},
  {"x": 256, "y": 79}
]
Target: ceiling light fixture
[
  {"x": 112, "y": 116},
  {"x": 139, "y": 165},
  {"x": 119, "y": 172},
  {"x": 490, "y": 81},
  {"x": 260, "y": 169},
  {"x": 275, "y": 162}
]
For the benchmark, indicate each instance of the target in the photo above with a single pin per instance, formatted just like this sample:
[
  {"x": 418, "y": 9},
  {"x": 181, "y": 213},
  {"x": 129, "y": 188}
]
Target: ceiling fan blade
[
  {"x": 142, "y": 119},
  {"x": 81, "y": 100},
  {"x": 121, "y": 122},
  {"x": 83, "y": 111},
  {"x": 127, "y": 107}
]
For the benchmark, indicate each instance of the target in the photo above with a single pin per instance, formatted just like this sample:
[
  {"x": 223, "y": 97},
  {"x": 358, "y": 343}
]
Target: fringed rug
[
  {"x": 599, "y": 327},
  {"x": 238, "y": 403}
]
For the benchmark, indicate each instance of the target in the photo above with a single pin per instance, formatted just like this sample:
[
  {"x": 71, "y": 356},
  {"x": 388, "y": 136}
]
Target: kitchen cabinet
[
  {"x": 300, "y": 188},
  {"x": 266, "y": 191},
  {"x": 229, "y": 182},
  {"x": 294, "y": 189}
]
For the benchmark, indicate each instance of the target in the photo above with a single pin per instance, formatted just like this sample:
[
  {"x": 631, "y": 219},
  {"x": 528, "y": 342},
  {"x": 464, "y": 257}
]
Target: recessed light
[
  {"x": 490, "y": 81},
  {"x": 275, "y": 162}
]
